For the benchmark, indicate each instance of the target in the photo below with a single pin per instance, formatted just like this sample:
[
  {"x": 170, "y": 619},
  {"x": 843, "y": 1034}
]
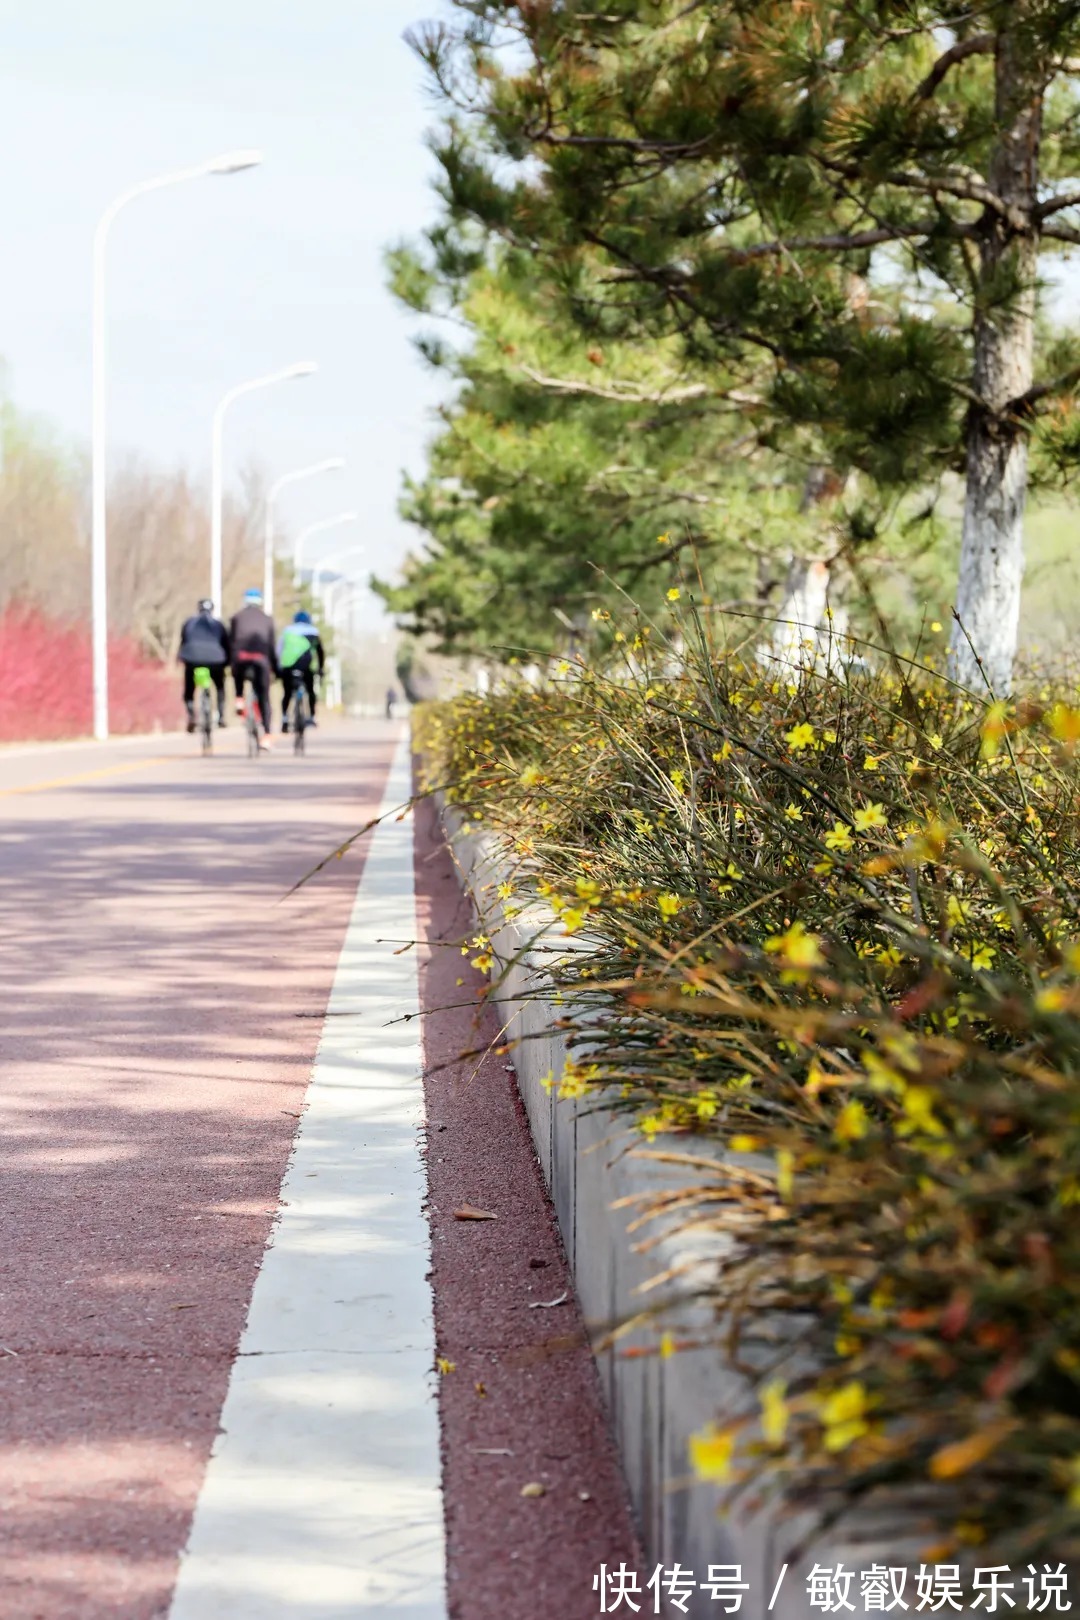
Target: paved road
[
  {"x": 175, "y": 1024},
  {"x": 162, "y": 1008}
]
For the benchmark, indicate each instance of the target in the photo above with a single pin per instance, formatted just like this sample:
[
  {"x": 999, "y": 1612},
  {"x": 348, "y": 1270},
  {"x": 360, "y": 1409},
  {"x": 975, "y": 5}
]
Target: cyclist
[
  {"x": 301, "y": 658},
  {"x": 254, "y": 657},
  {"x": 204, "y": 644}
]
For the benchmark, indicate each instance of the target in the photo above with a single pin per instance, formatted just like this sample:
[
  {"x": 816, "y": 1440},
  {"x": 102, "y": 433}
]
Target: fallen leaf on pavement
[
  {"x": 468, "y": 1212},
  {"x": 535, "y": 1489}
]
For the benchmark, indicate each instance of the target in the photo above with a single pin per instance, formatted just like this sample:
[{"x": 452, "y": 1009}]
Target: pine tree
[
  {"x": 847, "y": 204},
  {"x": 562, "y": 463}
]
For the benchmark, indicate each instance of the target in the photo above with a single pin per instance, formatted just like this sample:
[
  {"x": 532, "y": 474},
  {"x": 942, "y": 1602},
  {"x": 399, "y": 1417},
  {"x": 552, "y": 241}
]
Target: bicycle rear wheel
[
  {"x": 299, "y": 719},
  {"x": 206, "y": 721}
]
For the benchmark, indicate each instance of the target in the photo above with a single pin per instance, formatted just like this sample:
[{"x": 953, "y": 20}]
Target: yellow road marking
[{"x": 86, "y": 776}]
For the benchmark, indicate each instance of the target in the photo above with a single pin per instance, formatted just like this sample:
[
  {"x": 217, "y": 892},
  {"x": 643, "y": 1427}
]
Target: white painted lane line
[{"x": 322, "y": 1500}]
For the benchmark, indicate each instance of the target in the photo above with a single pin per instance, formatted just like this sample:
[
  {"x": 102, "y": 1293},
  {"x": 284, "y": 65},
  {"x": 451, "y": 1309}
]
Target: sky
[{"x": 225, "y": 278}]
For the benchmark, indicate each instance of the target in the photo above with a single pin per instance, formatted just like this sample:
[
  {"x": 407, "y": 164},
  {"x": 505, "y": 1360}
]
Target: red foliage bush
[{"x": 45, "y": 681}]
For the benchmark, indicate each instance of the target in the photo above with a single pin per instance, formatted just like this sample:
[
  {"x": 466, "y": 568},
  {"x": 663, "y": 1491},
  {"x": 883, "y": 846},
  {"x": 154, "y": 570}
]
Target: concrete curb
[{"x": 597, "y": 1171}]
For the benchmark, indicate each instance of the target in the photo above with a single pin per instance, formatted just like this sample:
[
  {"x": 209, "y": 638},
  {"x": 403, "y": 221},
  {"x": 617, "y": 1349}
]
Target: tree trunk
[
  {"x": 807, "y": 623},
  {"x": 992, "y": 544},
  {"x": 808, "y": 627}
]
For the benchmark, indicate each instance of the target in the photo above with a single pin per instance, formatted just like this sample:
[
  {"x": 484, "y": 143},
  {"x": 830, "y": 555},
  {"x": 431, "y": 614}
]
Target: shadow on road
[{"x": 163, "y": 1004}]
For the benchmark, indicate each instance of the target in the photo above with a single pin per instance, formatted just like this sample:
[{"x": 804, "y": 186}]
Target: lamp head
[
  {"x": 302, "y": 368},
  {"x": 234, "y": 162}
]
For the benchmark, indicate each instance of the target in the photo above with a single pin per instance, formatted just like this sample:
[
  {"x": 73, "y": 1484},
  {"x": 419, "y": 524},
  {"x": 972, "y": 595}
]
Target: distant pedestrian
[{"x": 391, "y": 700}]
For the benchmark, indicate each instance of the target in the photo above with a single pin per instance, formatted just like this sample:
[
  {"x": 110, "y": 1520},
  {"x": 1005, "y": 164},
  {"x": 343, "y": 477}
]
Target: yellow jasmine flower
[
  {"x": 774, "y": 1411},
  {"x": 871, "y": 816},
  {"x": 711, "y": 1452},
  {"x": 843, "y": 1417},
  {"x": 852, "y": 1122},
  {"x": 839, "y": 838},
  {"x": 796, "y": 947}
]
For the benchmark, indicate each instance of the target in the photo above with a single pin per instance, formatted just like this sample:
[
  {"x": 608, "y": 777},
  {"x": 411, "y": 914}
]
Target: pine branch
[
  {"x": 626, "y": 143},
  {"x": 1024, "y": 404},
  {"x": 974, "y": 45},
  {"x": 1054, "y": 205},
  {"x": 851, "y": 241},
  {"x": 623, "y": 393},
  {"x": 964, "y": 184}
]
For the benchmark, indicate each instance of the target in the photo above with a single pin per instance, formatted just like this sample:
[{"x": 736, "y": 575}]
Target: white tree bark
[
  {"x": 992, "y": 543},
  {"x": 991, "y": 561},
  {"x": 809, "y": 630}
]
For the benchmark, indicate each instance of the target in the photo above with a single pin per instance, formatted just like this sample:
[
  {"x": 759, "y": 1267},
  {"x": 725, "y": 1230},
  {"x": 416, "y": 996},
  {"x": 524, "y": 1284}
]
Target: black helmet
[{"x": 206, "y": 606}]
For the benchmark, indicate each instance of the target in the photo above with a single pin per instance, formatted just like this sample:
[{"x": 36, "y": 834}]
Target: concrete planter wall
[{"x": 593, "y": 1164}]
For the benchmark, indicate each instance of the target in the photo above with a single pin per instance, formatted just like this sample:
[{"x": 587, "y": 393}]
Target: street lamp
[
  {"x": 328, "y": 563},
  {"x": 330, "y": 620},
  {"x": 226, "y": 163},
  {"x": 332, "y": 465},
  {"x": 317, "y": 528},
  {"x": 303, "y": 368}
]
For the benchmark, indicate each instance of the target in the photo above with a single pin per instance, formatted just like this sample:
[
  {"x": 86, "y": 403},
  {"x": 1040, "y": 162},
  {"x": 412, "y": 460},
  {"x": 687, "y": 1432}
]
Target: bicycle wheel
[
  {"x": 299, "y": 719},
  {"x": 206, "y": 721},
  {"x": 252, "y": 724}
]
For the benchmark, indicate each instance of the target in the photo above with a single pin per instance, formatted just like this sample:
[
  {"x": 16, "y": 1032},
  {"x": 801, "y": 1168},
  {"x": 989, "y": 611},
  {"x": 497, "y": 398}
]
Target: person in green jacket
[{"x": 300, "y": 658}]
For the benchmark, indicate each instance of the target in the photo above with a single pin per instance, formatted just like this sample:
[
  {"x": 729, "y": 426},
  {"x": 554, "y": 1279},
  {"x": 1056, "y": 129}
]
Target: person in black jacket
[
  {"x": 300, "y": 658},
  {"x": 204, "y": 644},
  {"x": 254, "y": 655}
]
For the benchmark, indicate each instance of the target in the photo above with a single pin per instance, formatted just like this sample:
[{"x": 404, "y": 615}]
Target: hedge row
[
  {"x": 834, "y": 922},
  {"x": 45, "y": 682}
]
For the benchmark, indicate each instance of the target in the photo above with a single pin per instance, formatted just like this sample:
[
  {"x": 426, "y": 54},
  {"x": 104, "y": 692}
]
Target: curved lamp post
[
  {"x": 226, "y": 163},
  {"x": 302, "y": 368},
  {"x": 328, "y": 563},
  {"x": 333, "y": 464},
  {"x": 317, "y": 528},
  {"x": 342, "y": 585}
]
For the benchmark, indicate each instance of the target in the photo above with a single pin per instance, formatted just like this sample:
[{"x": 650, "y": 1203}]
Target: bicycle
[
  {"x": 205, "y": 718},
  {"x": 248, "y": 705},
  {"x": 299, "y": 714}
]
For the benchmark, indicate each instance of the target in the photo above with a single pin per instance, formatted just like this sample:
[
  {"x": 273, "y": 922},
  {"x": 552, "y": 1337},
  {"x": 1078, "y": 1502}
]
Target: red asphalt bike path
[{"x": 162, "y": 1008}]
